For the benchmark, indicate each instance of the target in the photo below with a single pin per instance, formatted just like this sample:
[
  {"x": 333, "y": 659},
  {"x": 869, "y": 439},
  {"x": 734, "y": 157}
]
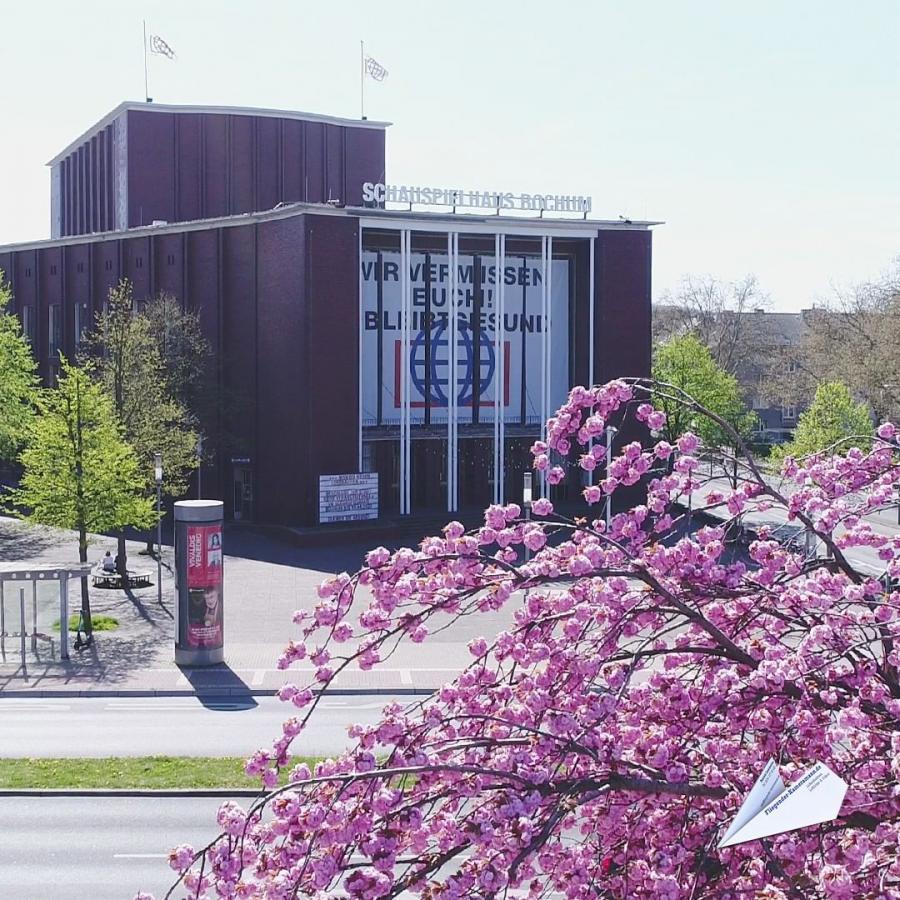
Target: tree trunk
[
  {"x": 122, "y": 560},
  {"x": 85, "y": 595}
]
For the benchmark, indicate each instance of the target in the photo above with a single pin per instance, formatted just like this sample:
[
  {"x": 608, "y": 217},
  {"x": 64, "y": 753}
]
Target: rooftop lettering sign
[{"x": 439, "y": 196}]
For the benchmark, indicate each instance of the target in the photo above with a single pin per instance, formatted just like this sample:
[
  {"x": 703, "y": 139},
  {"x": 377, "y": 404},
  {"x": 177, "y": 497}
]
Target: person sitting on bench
[{"x": 109, "y": 564}]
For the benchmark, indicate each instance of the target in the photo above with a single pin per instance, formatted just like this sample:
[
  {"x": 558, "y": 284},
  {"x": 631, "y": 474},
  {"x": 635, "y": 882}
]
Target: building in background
[
  {"x": 767, "y": 374},
  {"x": 763, "y": 350},
  {"x": 424, "y": 345}
]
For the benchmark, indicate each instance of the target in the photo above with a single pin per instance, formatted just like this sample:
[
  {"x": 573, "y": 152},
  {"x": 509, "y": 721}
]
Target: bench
[{"x": 136, "y": 579}]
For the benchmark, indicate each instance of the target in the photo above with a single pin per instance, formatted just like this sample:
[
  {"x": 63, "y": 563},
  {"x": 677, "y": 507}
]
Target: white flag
[
  {"x": 375, "y": 70},
  {"x": 770, "y": 808},
  {"x": 160, "y": 47}
]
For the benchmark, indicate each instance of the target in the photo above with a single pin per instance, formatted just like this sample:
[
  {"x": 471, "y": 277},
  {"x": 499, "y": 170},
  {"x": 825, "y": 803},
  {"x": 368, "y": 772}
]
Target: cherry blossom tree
[{"x": 600, "y": 745}]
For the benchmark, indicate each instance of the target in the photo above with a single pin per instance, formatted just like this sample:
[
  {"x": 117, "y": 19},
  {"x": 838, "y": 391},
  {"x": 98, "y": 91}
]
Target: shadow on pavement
[
  {"x": 212, "y": 684},
  {"x": 108, "y": 660},
  {"x": 143, "y": 611},
  {"x": 337, "y": 550},
  {"x": 22, "y": 543},
  {"x": 272, "y": 547}
]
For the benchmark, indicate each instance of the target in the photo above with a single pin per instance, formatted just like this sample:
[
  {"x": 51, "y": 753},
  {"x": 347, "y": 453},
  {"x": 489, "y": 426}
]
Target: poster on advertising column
[
  {"x": 204, "y": 580},
  {"x": 479, "y": 364}
]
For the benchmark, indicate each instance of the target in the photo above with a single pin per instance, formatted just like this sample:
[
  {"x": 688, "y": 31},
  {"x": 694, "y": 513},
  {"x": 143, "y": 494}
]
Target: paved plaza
[
  {"x": 267, "y": 577},
  {"x": 266, "y": 580}
]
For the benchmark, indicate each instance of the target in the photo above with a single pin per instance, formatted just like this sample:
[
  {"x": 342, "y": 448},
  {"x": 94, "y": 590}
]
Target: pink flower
[
  {"x": 181, "y": 857},
  {"x": 688, "y": 442},
  {"x": 556, "y": 475},
  {"x": 454, "y": 529},
  {"x": 377, "y": 557},
  {"x": 580, "y": 565},
  {"x": 343, "y": 632},
  {"x": 542, "y": 507},
  {"x": 663, "y": 450}
]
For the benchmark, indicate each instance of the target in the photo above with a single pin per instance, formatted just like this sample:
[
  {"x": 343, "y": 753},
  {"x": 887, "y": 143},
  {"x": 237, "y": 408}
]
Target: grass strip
[
  {"x": 98, "y": 623},
  {"x": 130, "y": 772}
]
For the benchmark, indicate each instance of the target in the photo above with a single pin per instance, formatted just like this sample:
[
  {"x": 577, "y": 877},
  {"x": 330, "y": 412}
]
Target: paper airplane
[{"x": 770, "y": 808}]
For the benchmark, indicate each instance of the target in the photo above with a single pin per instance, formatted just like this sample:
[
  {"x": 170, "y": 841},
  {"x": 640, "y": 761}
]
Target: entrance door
[
  {"x": 476, "y": 472},
  {"x": 243, "y": 493}
]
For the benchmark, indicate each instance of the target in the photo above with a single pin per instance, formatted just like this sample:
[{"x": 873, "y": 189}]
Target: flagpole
[
  {"x": 146, "y": 72},
  {"x": 362, "y": 81}
]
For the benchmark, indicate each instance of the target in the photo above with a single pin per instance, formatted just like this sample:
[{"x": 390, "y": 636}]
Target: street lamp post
[
  {"x": 611, "y": 432},
  {"x": 526, "y": 502},
  {"x": 199, "y": 465},
  {"x": 158, "y": 476}
]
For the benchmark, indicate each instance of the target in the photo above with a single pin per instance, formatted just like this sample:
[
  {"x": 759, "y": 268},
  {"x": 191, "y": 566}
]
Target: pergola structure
[{"x": 18, "y": 578}]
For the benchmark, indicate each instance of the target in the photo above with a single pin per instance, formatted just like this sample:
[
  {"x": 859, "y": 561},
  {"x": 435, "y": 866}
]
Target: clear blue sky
[{"x": 765, "y": 135}]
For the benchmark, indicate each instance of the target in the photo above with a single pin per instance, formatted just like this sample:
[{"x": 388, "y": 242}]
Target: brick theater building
[{"x": 410, "y": 339}]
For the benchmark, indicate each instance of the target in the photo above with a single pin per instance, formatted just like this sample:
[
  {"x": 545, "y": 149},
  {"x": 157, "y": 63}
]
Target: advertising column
[{"x": 199, "y": 621}]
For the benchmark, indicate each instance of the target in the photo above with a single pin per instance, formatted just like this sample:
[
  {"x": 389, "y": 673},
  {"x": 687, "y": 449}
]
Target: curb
[
  {"x": 130, "y": 792},
  {"x": 213, "y": 694}
]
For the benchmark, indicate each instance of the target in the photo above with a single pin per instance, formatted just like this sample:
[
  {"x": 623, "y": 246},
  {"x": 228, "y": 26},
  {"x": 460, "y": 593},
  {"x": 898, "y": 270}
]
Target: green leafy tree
[
  {"x": 183, "y": 351},
  {"x": 79, "y": 472},
  {"x": 18, "y": 379},
  {"x": 686, "y": 363},
  {"x": 126, "y": 355},
  {"x": 832, "y": 418}
]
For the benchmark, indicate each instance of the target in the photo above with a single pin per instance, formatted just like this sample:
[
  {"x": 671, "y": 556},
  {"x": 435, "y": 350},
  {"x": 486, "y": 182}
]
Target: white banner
[{"x": 383, "y": 353}]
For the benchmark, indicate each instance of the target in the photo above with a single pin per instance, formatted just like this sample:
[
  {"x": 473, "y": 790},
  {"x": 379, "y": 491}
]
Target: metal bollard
[
  {"x": 34, "y": 617},
  {"x": 22, "y": 623},
  {"x": 64, "y": 616}
]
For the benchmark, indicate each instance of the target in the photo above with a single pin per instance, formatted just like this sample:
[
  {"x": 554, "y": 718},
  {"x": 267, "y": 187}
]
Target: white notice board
[{"x": 348, "y": 498}]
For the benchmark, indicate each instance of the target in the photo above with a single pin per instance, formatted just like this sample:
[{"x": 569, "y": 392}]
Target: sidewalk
[{"x": 266, "y": 580}]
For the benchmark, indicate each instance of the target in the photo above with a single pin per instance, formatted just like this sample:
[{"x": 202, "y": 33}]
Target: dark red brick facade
[{"x": 278, "y": 291}]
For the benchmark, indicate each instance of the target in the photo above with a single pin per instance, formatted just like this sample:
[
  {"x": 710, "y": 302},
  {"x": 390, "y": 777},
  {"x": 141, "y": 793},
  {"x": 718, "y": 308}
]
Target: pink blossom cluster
[{"x": 601, "y": 744}]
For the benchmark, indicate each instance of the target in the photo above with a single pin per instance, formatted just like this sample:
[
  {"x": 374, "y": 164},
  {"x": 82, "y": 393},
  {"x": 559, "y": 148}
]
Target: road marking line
[
  {"x": 259, "y": 676},
  {"x": 34, "y": 707},
  {"x": 160, "y": 708},
  {"x": 140, "y": 855},
  {"x": 405, "y": 677}
]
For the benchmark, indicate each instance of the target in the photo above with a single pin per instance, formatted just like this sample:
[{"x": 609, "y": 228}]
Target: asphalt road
[
  {"x": 863, "y": 559},
  {"x": 82, "y": 848},
  {"x": 173, "y": 726}
]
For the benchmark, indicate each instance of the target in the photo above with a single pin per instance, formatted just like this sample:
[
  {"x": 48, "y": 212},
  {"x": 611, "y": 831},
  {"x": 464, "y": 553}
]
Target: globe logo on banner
[{"x": 437, "y": 365}]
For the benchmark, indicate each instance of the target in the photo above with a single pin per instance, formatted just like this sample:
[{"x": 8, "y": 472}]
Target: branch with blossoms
[{"x": 599, "y": 745}]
